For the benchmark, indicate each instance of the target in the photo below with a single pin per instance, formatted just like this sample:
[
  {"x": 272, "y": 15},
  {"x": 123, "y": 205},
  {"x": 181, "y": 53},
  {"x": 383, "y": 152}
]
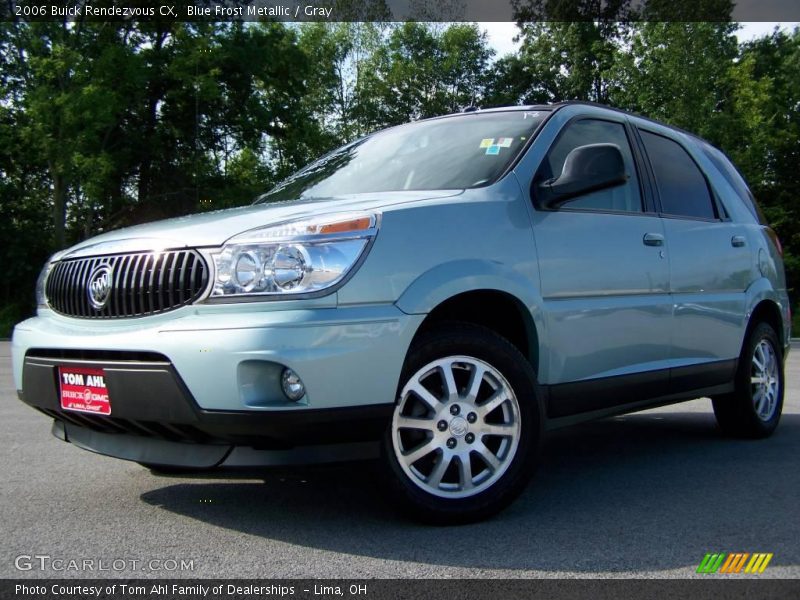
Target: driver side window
[{"x": 625, "y": 198}]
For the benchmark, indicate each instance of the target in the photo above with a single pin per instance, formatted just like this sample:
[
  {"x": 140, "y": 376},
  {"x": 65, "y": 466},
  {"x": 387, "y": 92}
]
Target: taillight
[{"x": 774, "y": 237}]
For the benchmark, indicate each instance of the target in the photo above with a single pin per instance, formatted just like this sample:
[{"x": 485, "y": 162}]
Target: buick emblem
[
  {"x": 99, "y": 286},
  {"x": 459, "y": 427}
]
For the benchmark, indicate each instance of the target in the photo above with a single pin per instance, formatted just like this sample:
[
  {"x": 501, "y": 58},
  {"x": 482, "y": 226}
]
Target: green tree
[
  {"x": 568, "y": 49},
  {"x": 465, "y": 56},
  {"x": 64, "y": 79},
  {"x": 336, "y": 97},
  {"x": 508, "y": 83},
  {"x": 569, "y": 61},
  {"x": 677, "y": 72},
  {"x": 768, "y": 147},
  {"x": 422, "y": 71}
]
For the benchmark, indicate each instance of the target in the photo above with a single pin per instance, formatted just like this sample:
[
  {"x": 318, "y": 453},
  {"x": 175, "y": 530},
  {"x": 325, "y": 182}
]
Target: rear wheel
[
  {"x": 463, "y": 438},
  {"x": 753, "y": 410}
]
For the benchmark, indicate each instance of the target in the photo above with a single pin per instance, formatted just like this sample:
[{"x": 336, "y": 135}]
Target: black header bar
[{"x": 401, "y": 10}]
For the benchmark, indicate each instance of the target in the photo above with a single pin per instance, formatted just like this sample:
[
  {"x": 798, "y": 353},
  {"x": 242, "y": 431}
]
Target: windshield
[{"x": 439, "y": 154}]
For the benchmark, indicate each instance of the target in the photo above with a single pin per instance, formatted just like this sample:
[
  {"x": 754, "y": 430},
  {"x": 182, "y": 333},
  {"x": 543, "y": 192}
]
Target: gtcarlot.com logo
[
  {"x": 734, "y": 562},
  {"x": 45, "y": 562}
]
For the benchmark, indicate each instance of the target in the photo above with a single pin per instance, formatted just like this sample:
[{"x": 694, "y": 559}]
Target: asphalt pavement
[{"x": 644, "y": 495}]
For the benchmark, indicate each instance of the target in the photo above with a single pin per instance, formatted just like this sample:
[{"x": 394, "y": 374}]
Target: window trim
[
  {"x": 720, "y": 214},
  {"x": 534, "y": 135},
  {"x": 718, "y": 158},
  {"x": 646, "y": 209},
  {"x": 654, "y": 202}
]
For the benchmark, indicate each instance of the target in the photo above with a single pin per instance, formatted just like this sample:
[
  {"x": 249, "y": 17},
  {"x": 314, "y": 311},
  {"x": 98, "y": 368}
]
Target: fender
[
  {"x": 449, "y": 279},
  {"x": 762, "y": 289}
]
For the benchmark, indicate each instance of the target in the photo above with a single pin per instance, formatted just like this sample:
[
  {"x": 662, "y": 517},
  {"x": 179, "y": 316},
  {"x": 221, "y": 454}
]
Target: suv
[{"x": 438, "y": 294}]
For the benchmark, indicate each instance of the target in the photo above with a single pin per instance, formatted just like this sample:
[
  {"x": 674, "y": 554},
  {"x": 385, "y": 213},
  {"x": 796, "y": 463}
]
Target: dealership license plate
[{"x": 83, "y": 390}]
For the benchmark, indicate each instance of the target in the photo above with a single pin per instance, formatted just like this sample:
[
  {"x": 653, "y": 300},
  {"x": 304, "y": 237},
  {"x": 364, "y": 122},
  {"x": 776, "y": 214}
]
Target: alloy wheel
[
  {"x": 456, "y": 427},
  {"x": 765, "y": 380}
]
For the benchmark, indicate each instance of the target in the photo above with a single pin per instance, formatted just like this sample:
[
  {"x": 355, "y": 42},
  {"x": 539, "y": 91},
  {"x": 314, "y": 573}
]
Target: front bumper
[
  {"x": 150, "y": 400},
  {"x": 158, "y": 451},
  {"x": 230, "y": 356},
  {"x": 211, "y": 378}
]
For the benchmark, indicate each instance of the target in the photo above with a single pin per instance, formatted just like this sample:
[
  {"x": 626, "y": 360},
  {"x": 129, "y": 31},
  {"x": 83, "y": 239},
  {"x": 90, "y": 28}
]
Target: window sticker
[
  {"x": 505, "y": 142},
  {"x": 493, "y": 149},
  {"x": 533, "y": 114},
  {"x": 486, "y": 142}
]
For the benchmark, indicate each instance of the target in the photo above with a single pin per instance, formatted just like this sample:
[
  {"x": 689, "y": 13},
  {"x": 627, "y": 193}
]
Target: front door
[{"x": 604, "y": 282}]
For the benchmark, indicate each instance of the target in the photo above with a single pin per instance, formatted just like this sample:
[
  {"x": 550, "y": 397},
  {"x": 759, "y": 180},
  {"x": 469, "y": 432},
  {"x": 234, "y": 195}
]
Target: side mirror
[{"x": 586, "y": 169}]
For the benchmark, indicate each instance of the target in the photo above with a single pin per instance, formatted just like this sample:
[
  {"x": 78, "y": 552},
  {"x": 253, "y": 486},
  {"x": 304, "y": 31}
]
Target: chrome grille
[{"x": 145, "y": 283}]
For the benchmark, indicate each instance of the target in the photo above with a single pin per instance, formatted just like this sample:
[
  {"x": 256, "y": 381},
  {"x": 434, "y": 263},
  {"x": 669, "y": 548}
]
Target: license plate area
[{"x": 83, "y": 389}]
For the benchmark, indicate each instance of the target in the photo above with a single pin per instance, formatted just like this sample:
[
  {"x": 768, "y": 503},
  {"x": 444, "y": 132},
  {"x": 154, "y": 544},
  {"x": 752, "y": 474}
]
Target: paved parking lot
[{"x": 645, "y": 495}]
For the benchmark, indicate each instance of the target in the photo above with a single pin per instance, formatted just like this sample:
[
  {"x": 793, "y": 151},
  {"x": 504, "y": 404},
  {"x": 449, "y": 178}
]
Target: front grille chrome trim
[{"x": 143, "y": 284}]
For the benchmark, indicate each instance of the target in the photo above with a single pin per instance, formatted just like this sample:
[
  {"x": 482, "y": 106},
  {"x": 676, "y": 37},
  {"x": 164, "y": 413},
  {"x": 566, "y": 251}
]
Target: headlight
[
  {"x": 41, "y": 297},
  {"x": 298, "y": 257}
]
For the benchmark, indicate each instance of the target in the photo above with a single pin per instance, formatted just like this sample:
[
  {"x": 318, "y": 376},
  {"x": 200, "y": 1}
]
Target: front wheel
[
  {"x": 463, "y": 438},
  {"x": 754, "y": 408}
]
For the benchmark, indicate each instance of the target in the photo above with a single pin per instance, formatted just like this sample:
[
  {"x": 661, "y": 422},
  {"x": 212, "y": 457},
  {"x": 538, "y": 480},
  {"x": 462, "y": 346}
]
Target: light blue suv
[{"x": 439, "y": 294}]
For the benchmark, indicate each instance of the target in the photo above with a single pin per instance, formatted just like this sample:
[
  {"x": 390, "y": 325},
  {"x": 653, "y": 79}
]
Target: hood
[{"x": 214, "y": 228}]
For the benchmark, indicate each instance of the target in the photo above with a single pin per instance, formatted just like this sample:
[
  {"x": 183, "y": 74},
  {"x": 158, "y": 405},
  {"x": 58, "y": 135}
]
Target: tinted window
[
  {"x": 681, "y": 186},
  {"x": 736, "y": 181},
  {"x": 452, "y": 153},
  {"x": 591, "y": 131}
]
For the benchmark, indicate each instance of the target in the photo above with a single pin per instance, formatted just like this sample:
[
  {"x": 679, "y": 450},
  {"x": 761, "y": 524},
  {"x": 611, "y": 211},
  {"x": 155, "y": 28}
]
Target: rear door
[{"x": 710, "y": 265}]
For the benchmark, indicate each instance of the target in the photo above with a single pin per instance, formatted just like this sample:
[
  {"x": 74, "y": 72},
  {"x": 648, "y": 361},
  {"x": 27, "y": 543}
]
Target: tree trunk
[
  {"x": 155, "y": 92},
  {"x": 59, "y": 208}
]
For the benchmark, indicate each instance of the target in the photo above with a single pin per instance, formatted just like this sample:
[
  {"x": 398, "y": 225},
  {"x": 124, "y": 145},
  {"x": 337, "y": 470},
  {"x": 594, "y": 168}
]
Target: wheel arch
[
  {"x": 767, "y": 304},
  {"x": 494, "y": 309},
  {"x": 486, "y": 293},
  {"x": 769, "y": 312}
]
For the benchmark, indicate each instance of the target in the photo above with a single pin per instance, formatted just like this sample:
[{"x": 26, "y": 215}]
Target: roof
[{"x": 556, "y": 105}]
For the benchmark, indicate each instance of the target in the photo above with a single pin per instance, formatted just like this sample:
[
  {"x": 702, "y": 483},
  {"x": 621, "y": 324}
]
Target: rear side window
[
  {"x": 681, "y": 186},
  {"x": 736, "y": 181}
]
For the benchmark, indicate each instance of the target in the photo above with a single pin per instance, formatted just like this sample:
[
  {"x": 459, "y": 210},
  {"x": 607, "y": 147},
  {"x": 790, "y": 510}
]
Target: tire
[
  {"x": 753, "y": 410},
  {"x": 460, "y": 457}
]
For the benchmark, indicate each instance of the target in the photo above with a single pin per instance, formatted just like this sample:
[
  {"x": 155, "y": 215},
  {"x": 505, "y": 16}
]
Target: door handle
[
  {"x": 653, "y": 239},
  {"x": 737, "y": 241}
]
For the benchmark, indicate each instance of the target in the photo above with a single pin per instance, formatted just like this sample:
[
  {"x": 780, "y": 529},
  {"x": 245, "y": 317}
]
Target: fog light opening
[{"x": 293, "y": 386}]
